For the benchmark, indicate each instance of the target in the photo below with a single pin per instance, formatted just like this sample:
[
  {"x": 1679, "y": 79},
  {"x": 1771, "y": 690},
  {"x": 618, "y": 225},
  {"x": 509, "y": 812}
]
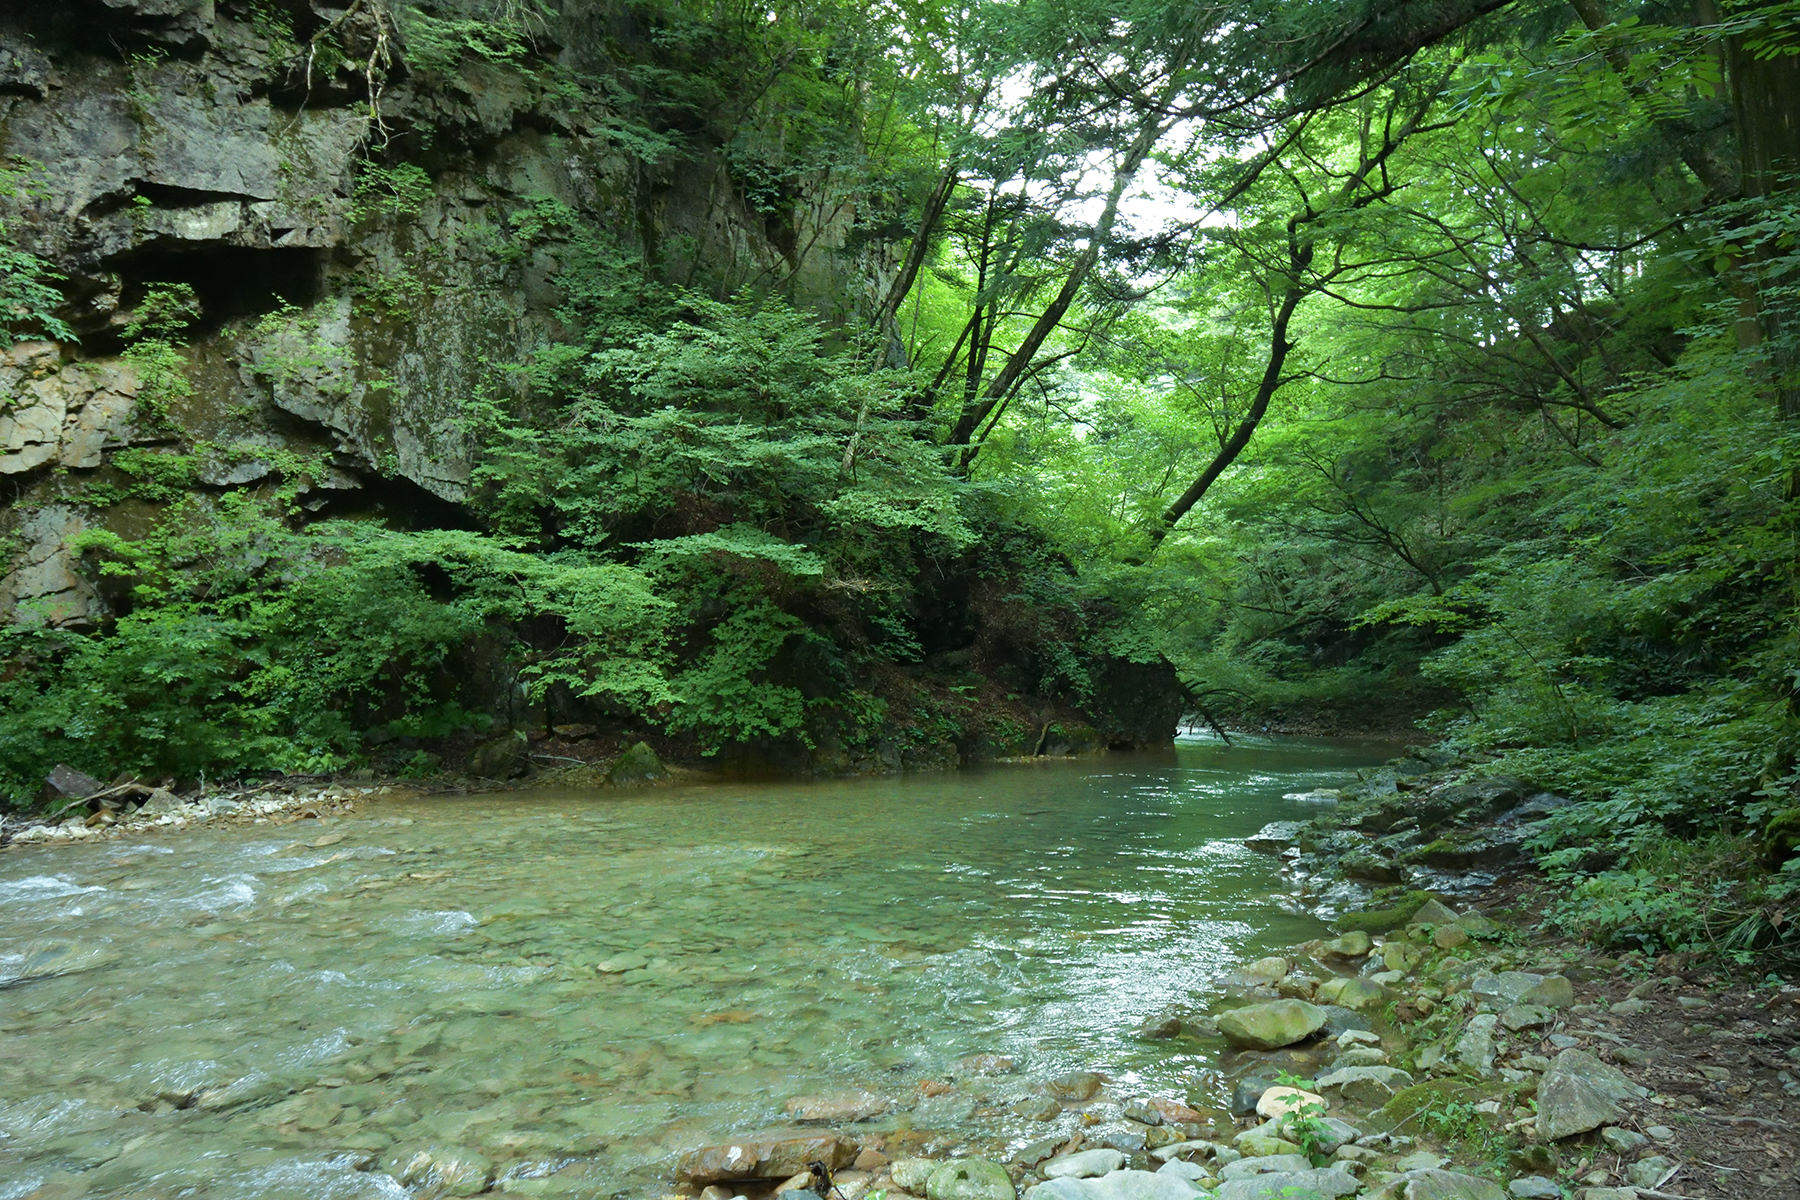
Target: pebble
[
  {"x": 1534, "y": 1187},
  {"x": 1621, "y": 1141}
]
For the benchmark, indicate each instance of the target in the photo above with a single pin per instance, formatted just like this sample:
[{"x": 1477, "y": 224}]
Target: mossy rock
[
  {"x": 1068, "y": 740},
  {"x": 637, "y": 765},
  {"x": 502, "y": 757},
  {"x": 1781, "y": 837},
  {"x": 1382, "y": 920},
  {"x": 1435, "y": 1095}
]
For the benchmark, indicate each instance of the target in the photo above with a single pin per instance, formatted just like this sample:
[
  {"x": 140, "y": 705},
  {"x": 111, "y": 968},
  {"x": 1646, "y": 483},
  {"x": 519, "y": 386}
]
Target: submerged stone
[{"x": 841, "y": 1107}]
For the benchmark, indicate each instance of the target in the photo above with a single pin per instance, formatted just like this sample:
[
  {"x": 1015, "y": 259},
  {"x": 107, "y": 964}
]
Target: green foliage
[
  {"x": 1708, "y": 894},
  {"x": 249, "y": 646},
  {"x": 1304, "y": 1124},
  {"x": 388, "y": 193},
  {"x": 156, "y": 335},
  {"x": 503, "y": 36},
  {"x": 29, "y": 298}
]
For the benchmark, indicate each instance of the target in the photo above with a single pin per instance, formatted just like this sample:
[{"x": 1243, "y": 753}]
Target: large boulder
[
  {"x": 1272, "y": 1025},
  {"x": 1579, "y": 1093}
]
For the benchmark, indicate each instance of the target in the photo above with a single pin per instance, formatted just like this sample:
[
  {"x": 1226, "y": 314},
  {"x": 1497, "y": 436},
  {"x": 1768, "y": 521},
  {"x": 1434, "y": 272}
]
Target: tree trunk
[{"x": 1013, "y": 370}]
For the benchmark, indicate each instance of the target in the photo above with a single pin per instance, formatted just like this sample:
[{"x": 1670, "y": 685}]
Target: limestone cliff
[{"x": 334, "y": 184}]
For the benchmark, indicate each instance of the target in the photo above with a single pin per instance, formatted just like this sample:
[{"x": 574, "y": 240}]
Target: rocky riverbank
[
  {"x": 1441, "y": 1047},
  {"x": 82, "y": 808},
  {"x": 134, "y": 809}
]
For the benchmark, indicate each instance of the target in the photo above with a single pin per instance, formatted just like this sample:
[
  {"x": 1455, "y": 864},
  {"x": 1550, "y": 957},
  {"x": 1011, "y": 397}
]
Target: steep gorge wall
[{"x": 346, "y": 234}]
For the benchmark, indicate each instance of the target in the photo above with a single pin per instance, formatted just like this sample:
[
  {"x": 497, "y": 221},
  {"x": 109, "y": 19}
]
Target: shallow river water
[{"x": 578, "y": 986}]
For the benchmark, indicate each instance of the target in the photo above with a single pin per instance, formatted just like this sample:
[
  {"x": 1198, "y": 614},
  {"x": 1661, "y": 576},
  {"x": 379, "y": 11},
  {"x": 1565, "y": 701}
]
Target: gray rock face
[
  {"x": 1650, "y": 1172},
  {"x": 172, "y": 142},
  {"x": 1119, "y": 1185},
  {"x": 41, "y": 585},
  {"x": 62, "y": 413},
  {"x": 501, "y": 757},
  {"x": 66, "y": 783},
  {"x": 1579, "y": 1093}
]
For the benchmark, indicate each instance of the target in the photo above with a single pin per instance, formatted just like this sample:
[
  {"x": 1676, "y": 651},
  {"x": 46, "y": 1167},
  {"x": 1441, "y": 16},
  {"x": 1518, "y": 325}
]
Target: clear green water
[{"x": 293, "y": 1011}]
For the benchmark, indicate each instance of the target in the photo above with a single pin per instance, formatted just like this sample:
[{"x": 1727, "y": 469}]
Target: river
[{"x": 577, "y": 986}]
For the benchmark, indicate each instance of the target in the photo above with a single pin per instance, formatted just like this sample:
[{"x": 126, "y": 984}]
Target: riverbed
[{"x": 569, "y": 989}]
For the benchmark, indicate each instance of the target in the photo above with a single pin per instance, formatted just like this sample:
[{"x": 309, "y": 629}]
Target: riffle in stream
[{"x": 577, "y": 987}]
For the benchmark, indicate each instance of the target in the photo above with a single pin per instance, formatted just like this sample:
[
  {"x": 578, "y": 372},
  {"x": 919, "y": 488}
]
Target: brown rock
[
  {"x": 766, "y": 1154},
  {"x": 1075, "y": 1085},
  {"x": 1177, "y": 1112}
]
